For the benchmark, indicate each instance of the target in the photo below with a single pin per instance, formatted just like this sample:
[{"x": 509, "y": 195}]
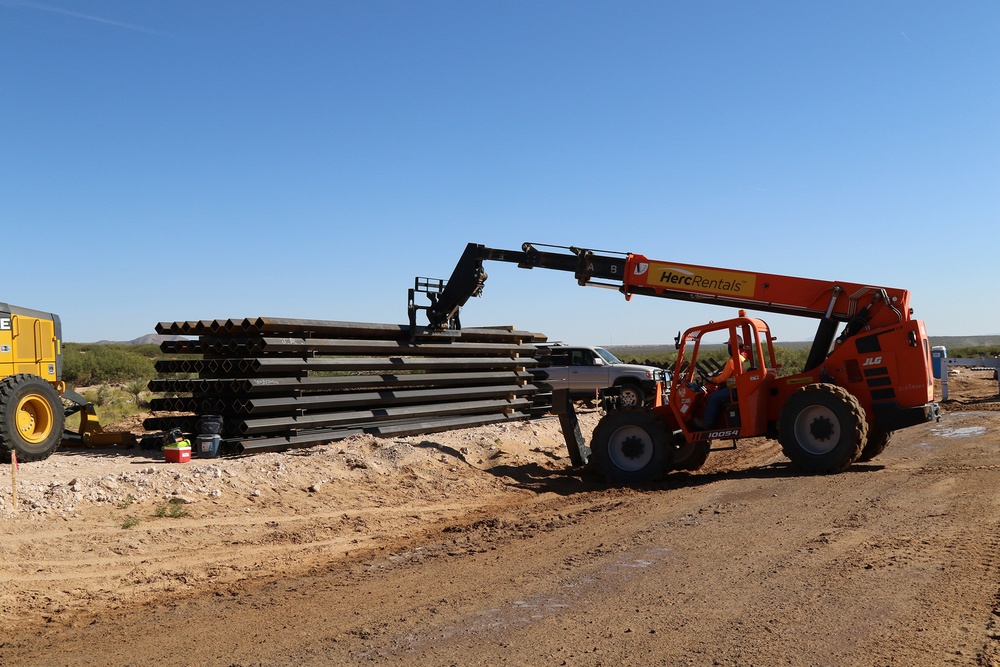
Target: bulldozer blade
[{"x": 90, "y": 433}]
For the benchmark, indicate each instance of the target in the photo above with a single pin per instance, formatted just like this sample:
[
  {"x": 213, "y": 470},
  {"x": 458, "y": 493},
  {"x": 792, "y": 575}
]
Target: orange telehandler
[{"x": 856, "y": 387}]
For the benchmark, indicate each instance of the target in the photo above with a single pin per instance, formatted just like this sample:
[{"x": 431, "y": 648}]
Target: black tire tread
[
  {"x": 9, "y": 439},
  {"x": 876, "y": 443},
  {"x": 859, "y": 435},
  {"x": 697, "y": 458},
  {"x": 603, "y": 432}
]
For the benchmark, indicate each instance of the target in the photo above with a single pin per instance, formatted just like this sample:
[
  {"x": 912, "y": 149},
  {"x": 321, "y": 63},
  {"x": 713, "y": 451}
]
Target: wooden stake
[{"x": 13, "y": 477}]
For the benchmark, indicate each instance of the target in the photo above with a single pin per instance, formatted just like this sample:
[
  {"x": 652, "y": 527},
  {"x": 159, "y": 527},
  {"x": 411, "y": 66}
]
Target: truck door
[{"x": 587, "y": 371}]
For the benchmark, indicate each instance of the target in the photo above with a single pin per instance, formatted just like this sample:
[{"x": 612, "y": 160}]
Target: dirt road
[{"x": 481, "y": 548}]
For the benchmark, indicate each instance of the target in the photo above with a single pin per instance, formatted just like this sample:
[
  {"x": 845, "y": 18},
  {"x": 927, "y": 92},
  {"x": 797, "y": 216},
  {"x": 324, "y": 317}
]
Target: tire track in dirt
[
  {"x": 851, "y": 575},
  {"x": 127, "y": 567},
  {"x": 749, "y": 562}
]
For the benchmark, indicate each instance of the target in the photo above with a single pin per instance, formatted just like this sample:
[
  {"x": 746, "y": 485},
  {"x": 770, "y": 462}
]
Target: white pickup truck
[{"x": 584, "y": 370}]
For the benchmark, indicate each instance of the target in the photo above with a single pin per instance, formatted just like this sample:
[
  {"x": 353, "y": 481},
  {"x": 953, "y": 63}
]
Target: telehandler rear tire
[
  {"x": 822, "y": 428},
  {"x": 31, "y": 418},
  {"x": 630, "y": 447},
  {"x": 691, "y": 456},
  {"x": 877, "y": 441}
]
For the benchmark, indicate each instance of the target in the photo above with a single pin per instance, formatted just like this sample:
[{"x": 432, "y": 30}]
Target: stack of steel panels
[{"x": 284, "y": 383}]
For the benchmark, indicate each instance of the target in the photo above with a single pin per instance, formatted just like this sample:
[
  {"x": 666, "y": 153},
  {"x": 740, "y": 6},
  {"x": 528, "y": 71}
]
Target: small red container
[{"x": 177, "y": 454}]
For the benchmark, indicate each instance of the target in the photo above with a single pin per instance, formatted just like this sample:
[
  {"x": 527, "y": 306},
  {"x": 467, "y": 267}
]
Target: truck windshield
[{"x": 607, "y": 356}]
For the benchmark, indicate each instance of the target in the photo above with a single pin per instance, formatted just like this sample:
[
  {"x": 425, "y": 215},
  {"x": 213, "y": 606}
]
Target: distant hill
[{"x": 148, "y": 339}]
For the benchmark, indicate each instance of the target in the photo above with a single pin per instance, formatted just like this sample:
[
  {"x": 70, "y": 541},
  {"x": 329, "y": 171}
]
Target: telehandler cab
[{"x": 854, "y": 391}]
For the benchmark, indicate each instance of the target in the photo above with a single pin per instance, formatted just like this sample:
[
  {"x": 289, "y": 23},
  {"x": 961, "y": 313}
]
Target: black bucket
[{"x": 210, "y": 425}]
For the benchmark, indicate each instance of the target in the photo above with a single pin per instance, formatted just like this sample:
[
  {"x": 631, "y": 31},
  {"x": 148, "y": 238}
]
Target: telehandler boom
[{"x": 856, "y": 387}]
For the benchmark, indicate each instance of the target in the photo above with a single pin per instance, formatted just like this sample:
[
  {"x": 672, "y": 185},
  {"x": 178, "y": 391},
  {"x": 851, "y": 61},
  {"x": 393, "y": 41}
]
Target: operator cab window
[{"x": 581, "y": 358}]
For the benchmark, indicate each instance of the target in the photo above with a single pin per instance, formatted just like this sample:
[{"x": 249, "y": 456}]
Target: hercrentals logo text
[{"x": 698, "y": 279}]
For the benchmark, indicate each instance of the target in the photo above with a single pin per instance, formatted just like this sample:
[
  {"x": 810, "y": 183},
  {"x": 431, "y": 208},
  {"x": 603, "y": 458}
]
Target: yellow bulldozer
[{"x": 34, "y": 400}]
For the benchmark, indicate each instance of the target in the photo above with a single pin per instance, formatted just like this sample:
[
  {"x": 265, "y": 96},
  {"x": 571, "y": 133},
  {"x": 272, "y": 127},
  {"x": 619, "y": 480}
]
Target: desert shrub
[
  {"x": 136, "y": 387},
  {"x": 173, "y": 508},
  {"x": 975, "y": 351},
  {"x": 111, "y": 403},
  {"x": 86, "y": 364},
  {"x": 791, "y": 360}
]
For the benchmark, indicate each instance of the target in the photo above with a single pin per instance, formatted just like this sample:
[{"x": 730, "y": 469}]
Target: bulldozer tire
[
  {"x": 822, "y": 428},
  {"x": 630, "y": 447},
  {"x": 691, "y": 455},
  {"x": 877, "y": 441},
  {"x": 31, "y": 418}
]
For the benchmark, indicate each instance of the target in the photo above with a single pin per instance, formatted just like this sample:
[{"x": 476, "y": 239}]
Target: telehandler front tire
[
  {"x": 31, "y": 418},
  {"x": 630, "y": 447},
  {"x": 822, "y": 428}
]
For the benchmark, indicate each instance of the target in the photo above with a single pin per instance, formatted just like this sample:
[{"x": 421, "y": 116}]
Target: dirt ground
[{"x": 484, "y": 547}]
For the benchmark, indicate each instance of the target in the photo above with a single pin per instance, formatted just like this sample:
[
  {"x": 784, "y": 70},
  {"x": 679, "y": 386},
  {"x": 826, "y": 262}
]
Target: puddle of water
[{"x": 965, "y": 432}]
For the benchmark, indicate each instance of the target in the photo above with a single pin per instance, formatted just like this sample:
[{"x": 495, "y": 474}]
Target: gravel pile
[{"x": 72, "y": 480}]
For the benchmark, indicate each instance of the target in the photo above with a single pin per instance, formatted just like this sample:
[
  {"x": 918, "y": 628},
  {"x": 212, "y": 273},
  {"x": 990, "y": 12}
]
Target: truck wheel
[
  {"x": 632, "y": 395},
  {"x": 630, "y": 447},
  {"x": 822, "y": 428},
  {"x": 878, "y": 440},
  {"x": 31, "y": 418}
]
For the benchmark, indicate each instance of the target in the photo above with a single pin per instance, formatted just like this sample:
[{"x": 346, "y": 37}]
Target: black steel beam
[
  {"x": 298, "y": 382},
  {"x": 256, "y": 406},
  {"x": 336, "y": 329},
  {"x": 400, "y": 429},
  {"x": 271, "y": 425},
  {"x": 296, "y": 385},
  {"x": 254, "y": 365}
]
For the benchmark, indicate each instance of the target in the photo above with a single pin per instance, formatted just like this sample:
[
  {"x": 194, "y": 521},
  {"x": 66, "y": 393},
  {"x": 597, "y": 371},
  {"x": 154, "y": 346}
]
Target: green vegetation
[
  {"x": 116, "y": 374},
  {"x": 136, "y": 388},
  {"x": 87, "y": 364},
  {"x": 974, "y": 351},
  {"x": 791, "y": 359},
  {"x": 111, "y": 403},
  {"x": 174, "y": 509}
]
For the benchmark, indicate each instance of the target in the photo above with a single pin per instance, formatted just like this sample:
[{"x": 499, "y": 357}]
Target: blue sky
[{"x": 180, "y": 160}]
